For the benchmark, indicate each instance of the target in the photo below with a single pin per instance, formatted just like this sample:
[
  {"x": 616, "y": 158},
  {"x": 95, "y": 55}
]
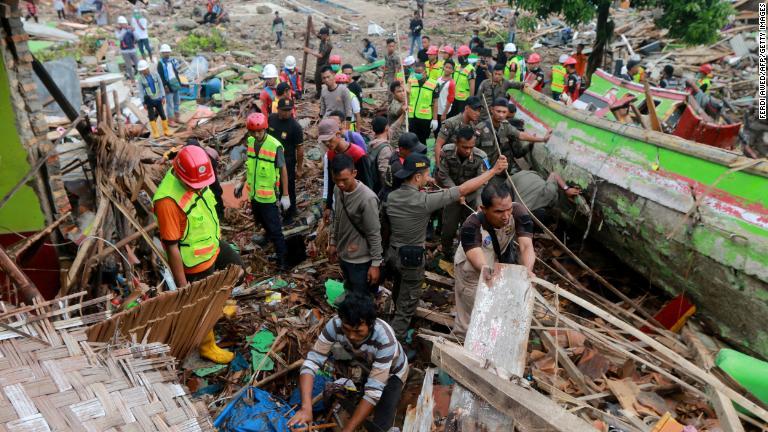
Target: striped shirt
[{"x": 381, "y": 350}]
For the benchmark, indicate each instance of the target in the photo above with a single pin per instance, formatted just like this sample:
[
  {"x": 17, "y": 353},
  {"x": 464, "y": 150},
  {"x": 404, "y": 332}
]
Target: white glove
[
  {"x": 285, "y": 202},
  {"x": 433, "y": 125}
]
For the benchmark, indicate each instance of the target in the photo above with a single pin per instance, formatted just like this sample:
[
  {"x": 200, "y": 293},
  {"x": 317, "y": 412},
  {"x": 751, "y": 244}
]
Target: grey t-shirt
[{"x": 337, "y": 99}]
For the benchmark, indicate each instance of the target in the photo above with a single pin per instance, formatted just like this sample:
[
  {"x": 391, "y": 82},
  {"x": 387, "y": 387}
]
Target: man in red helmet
[
  {"x": 705, "y": 77},
  {"x": 535, "y": 76},
  {"x": 266, "y": 176},
  {"x": 189, "y": 228},
  {"x": 572, "y": 80}
]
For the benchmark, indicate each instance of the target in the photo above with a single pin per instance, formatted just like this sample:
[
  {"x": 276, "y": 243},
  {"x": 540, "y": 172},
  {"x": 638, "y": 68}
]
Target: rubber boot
[
  {"x": 230, "y": 308},
  {"x": 166, "y": 131},
  {"x": 153, "y": 128},
  {"x": 209, "y": 350}
]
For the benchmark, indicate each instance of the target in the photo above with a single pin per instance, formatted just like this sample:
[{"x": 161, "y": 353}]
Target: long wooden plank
[
  {"x": 435, "y": 317},
  {"x": 530, "y": 409},
  {"x": 686, "y": 366}
]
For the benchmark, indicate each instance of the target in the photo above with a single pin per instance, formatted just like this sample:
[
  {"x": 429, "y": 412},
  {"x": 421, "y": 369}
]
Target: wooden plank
[
  {"x": 726, "y": 413},
  {"x": 576, "y": 375},
  {"x": 435, "y": 317},
  {"x": 420, "y": 418},
  {"x": 437, "y": 280},
  {"x": 498, "y": 333},
  {"x": 530, "y": 409}
]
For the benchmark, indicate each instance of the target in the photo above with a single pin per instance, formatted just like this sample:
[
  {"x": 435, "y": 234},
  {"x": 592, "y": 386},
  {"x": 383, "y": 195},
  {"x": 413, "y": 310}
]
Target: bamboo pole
[
  {"x": 402, "y": 69},
  {"x": 306, "y": 55},
  {"x": 27, "y": 289}
]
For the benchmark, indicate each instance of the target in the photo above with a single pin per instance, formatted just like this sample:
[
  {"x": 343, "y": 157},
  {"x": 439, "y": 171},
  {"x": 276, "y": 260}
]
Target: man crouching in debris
[
  {"x": 370, "y": 340},
  {"x": 486, "y": 239}
]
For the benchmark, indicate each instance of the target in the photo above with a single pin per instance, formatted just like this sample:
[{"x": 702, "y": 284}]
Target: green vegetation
[
  {"x": 695, "y": 21},
  {"x": 87, "y": 46},
  {"x": 196, "y": 43}
]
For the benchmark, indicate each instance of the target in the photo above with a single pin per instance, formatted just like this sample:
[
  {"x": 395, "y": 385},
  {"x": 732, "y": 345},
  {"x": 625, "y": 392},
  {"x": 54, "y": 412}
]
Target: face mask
[{"x": 418, "y": 76}]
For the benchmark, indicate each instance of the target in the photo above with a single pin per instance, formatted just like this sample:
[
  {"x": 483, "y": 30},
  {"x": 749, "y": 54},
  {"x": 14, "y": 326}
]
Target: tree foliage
[{"x": 695, "y": 21}]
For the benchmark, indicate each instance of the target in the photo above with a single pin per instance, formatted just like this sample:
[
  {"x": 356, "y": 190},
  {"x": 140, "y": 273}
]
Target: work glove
[
  {"x": 239, "y": 190},
  {"x": 285, "y": 202},
  {"x": 433, "y": 125}
]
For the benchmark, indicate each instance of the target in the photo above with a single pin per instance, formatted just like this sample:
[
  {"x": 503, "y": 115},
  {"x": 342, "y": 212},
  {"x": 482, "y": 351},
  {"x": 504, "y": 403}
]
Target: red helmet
[
  {"x": 335, "y": 59},
  {"x": 342, "y": 78},
  {"x": 534, "y": 58},
  {"x": 432, "y": 50},
  {"x": 193, "y": 167},
  {"x": 706, "y": 69},
  {"x": 464, "y": 50},
  {"x": 447, "y": 49},
  {"x": 570, "y": 61},
  {"x": 256, "y": 122}
]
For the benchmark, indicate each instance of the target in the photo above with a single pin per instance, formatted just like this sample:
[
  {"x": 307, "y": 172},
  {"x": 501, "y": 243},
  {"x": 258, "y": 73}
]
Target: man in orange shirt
[
  {"x": 581, "y": 60},
  {"x": 189, "y": 228}
]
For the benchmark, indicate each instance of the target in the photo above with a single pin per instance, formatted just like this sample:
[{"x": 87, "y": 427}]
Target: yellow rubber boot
[
  {"x": 230, "y": 308},
  {"x": 153, "y": 128},
  {"x": 166, "y": 131},
  {"x": 209, "y": 350}
]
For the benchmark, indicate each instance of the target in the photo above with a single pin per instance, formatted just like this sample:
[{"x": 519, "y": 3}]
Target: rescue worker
[
  {"x": 266, "y": 176},
  {"x": 620, "y": 110},
  {"x": 335, "y": 62},
  {"x": 705, "y": 77},
  {"x": 487, "y": 238},
  {"x": 496, "y": 87},
  {"x": 291, "y": 75},
  {"x": 541, "y": 195},
  {"x": 368, "y": 341},
  {"x": 635, "y": 71},
  {"x": 559, "y": 73},
  {"x": 515, "y": 68},
  {"x": 268, "y": 93},
  {"x": 422, "y": 106},
  {"x": 168, "y": 69},
  {"x": 355, "y": 234},
  {"x": 464, "y": 76},
  {"x": 573, "y": 80},
  {"x": 407, "y": 211},
  {"x": 535, "y": 76},
  {"x": 284, "y": 127},
  {"x": 433, "y": 66},
  {"x": 450, "y": 129},
  {"x": 124, "y": 34},
  {"x": 189, "y": 229},
  {"x": 408, "y": 63},
  {"x": 322, "y": 55},
  {"x": 509, "y": 138},
  {"x": 459, "y": 162},
  {"x": 446, "y": 52},
  {"x": 152, "y": 93}
]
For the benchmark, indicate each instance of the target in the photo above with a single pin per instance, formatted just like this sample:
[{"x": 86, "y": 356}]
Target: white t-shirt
[
  {"x": 442, "y": 98},
  {"x": 137, "y": 31}
]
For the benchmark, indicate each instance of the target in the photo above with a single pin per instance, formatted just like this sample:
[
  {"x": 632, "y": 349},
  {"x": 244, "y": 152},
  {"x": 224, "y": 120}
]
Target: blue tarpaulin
[{"x": 255, "y": 411}]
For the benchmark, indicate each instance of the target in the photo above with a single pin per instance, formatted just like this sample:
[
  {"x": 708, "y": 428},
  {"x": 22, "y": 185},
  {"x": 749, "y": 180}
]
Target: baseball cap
[
  {"x": 327, "y": 129},
  {"x": 413, "y": 163},
  {"x": 500, "y": 102},
  {"x": 285, "y": 104},
  {"x": 410, "y": 141},
  {"x": 474, "y": 102}
]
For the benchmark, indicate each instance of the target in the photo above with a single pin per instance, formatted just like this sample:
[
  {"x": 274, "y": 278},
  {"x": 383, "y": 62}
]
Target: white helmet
[
  {"x": 510, "y": 48},
  {"x": 143, "y": 65},
  {"x": 270, "y": 71},
  {"x": 290, "y": 62},
  {"x": 563, "y": 58},
  {"x": 408, "y": 61},
  {"x": 122, "y": 20},
  {"x": 165, "y": 48}
]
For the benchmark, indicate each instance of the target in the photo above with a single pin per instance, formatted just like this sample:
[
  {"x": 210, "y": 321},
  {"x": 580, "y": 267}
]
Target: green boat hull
[{"x": 690, "y": 217}]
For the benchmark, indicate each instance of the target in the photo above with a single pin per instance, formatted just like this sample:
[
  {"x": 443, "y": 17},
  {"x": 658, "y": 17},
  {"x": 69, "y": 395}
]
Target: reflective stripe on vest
[
  {"x": 558, "y": 79},
  {"x": 420, "y": 105},
  {"x": 263, "y": 177},
  {"x": 145, "y": 84},
  {"x": 434, "y": 71},
  {"x": 461, "y": 77},
  {"x": 200, "y": 241},
  {"x": 703, "y": 81},
  {"x": 638, "y": 77}
]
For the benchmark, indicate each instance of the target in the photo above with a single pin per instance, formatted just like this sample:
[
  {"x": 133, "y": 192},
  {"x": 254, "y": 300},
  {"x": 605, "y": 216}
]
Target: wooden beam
[
  {"x": 306, "y": 45},
  {"x": 437, "y": 280},
  {"x": 530, "y": 409},
  {"x": 435, "y": 317},
  {"x": 27, "y": 290},
  {"x": 420, "y": 418}
]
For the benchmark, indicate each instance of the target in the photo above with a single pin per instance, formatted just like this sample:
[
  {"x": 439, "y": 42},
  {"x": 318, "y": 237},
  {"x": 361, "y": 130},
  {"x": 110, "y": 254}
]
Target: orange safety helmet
[
  {"x": 342, "y": 78},
  {"x": 570, "y": 61},
  {"x": 706, "y": 69},
  {"x": 432, "y": 50},
  {"x": 335, "y": 59},
  {"x": 464, "y": 50},
  {"x": 534, "y": 58},
  {"x": 256, "y": 122},
  {"x": 193, "y": 167},
  {"x": 447, "y": 49}
]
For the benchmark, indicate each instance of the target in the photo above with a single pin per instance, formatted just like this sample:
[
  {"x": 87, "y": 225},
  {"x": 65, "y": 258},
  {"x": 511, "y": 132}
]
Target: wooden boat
[
  {"x": 679, "y": 113},
  {"x": 693, "y": 218}
]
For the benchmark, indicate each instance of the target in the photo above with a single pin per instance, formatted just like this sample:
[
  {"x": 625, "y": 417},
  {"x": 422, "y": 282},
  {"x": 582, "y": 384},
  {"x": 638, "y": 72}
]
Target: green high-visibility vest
[
  {"x": 434, "y": 71},
  {"x": 145, "y": 84},
  {"x": 263, "y": 176},
  {"x": 638, "y": 77},
  {"x": 705, "y": 81},
  {"x": 520, "y": 66},
  {"x": 461, "y": 77},
  {"x": 558, "y": 78},
  {"x": 200, "y": 241},
  {"x": 420, "y": 99}
]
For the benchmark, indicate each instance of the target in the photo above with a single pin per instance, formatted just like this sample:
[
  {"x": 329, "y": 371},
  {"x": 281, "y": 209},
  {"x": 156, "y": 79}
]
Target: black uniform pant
[
  {"x": 154, "y": 108},
  {"x": 356, "y": 277},
  {"x": 408, "y": 279},
  {"x": 290, "y": 165},
  {"x": 454, "y": 214},
  {"x": 421, "y": 127},
  {"x": 227, "y": 257},
  {"x": 269, "y": 217},
  {"x": 385, "y": 410}
]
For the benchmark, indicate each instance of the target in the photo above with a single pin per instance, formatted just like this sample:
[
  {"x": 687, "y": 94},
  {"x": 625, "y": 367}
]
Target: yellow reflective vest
[
  {"x": 263, "y": 176},
  {"x": 421, "y": 98}
]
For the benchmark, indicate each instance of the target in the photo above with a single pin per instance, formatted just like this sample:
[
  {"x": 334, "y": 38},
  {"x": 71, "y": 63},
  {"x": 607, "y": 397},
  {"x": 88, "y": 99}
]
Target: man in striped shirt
[{"x": 371, "y": 341}]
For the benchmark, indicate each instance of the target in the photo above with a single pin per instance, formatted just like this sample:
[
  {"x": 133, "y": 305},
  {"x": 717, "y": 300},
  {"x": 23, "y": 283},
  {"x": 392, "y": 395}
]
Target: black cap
[
  {"x": 282, "y": 87},
  {"x": 324, "y": 31},
  {"x": 410, "y": 141},
  {"x": 474, "y": 102},
  {"x": 285, "y": 104},
  {"x": 412, "y": 164},
  {"x": 500, "y": 102}
]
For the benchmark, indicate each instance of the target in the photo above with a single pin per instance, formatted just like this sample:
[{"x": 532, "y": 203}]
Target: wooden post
[
  {"x": 306, "y": 56},
  {"x": 120, "y": 129},
  {"x": 27, "y": 289},
  {"x": 655, "y": 124}
]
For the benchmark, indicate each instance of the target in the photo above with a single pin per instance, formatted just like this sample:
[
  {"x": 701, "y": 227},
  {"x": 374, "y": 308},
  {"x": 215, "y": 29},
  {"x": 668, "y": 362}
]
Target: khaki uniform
[
  {"x": 509, "y": 141},
  {"x": 492, "y": 91},
  {"x": 536, "y": 192},
  {"x": 454, "y": 171},
  {"x": 395, "y": 129},
  {"x": 450, "y": 128},
  {"x": 466, "y": 277},
  {"x": 408, "y": 211}
]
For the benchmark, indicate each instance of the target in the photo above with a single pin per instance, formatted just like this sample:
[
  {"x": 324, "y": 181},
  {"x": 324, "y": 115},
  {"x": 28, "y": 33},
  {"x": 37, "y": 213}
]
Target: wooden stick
[
  {"x": 402, "y": 69},
  {"x": 655, "y": 124},
  {"x": 27, "y": 289},
  {"x": 16, "y": 249},
  {"x": 306, "y": 56},
  {"x": 290, "y": 368},
  {"x": 122, "y": 243},
  {"x": 581, "y": 381},
  {"x": 316, "y": 427},
  {"x": 685, "y": 365},
  {"x": 120, "y": 128}
]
